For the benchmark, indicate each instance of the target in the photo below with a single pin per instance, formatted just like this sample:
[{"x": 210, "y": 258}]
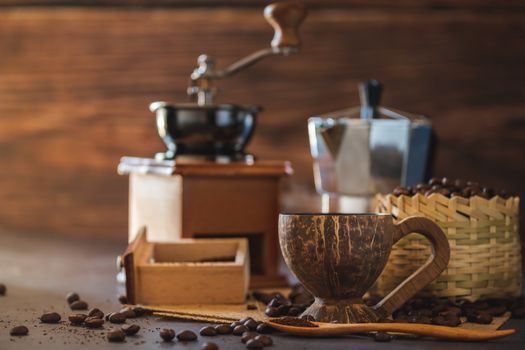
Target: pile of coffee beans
[
  {"x": 278, "y": 305},
  {"x": 451, "y": 188},
  {"x": 445, "y": 312}
]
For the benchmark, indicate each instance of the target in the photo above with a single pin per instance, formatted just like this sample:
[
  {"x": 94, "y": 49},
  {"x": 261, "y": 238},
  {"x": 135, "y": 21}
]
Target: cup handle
[{"x": 436, "y": 263}]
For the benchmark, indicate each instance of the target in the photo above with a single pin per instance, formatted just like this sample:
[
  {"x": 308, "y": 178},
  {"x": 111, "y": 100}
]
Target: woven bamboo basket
[{"x": 485, "y": 259}]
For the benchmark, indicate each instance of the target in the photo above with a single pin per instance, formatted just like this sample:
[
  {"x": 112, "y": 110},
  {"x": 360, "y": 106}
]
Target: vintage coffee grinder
[{"x": 205, "y": 185}]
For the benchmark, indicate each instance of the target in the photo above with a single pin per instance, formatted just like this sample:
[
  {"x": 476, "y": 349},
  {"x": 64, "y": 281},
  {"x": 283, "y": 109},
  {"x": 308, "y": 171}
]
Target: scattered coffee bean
[
  {"x": 50, "y": 317},
  {"x": 264, "y": 339},
  {"x": 140, "y": 311},
  {"x": 235, "y": 324},
  {"x": 19, "y": 330},
  {"x": 116, "y": 335},
  {"x": 96, "y": 313},
  {"x": 187, "y": 336},
  {"x": 382, "y": 337},
  {"x": 128, "y": 312},
  {"x": 244, "y": 319},
  {"x": 93, "y": 322},
  {"x": 3, "y": 289},
  {"x": 248, "y": 336},
  {"x": 251, "y": 324},
  {"x": 77, "y": 319},
  {"x": 78, "y": 305},
  {"x": 167, "y": 334},
  {"x": 130, "y": 329},
  {"x": 272, "y": 312},
  {"x": 208, "y": 331},
  {"x": 209, "y": 346},
  {"x": 117, "y": 317},
  {"x": 123, "y": 299},
  {"x": 223, "y": 329},
  {"x": 72, "y": 297},
  {"x": 251, "y": 307},
  {"x": 254, "y": 344},
  {"x": 239, "y": 330},
  {"x": 264, "y": 328}
]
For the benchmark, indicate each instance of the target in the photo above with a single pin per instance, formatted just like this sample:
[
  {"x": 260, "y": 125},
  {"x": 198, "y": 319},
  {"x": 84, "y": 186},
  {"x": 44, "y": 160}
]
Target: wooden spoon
[{"x": 441, "y": 332}]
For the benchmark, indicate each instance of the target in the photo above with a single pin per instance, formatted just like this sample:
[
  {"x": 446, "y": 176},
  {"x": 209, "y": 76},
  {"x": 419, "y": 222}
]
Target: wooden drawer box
[{"x": 188, "y": 271}]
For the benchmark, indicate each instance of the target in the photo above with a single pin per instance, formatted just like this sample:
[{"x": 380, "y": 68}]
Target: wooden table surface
[{"x": 38, "y": 271}]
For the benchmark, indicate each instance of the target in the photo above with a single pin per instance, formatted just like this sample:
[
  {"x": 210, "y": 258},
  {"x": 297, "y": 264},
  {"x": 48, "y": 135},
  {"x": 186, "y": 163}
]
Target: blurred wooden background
[{"x": 76, "y": 78}]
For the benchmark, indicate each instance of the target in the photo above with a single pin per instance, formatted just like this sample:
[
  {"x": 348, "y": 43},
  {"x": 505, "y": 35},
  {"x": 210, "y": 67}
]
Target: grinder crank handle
[{"x": 285, "y": 18}]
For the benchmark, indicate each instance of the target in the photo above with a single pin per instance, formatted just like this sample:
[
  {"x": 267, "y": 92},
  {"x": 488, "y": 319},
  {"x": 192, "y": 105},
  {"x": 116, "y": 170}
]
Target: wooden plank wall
[{"x": 75, "y": 83}]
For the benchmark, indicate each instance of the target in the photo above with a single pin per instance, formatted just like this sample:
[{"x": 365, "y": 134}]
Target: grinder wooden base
[{"x": 204, "y": 199}]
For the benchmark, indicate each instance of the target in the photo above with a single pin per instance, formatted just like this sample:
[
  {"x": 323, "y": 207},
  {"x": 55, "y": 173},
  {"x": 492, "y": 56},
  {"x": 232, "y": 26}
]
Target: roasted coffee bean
[
  {"x": 244, "y": 319},
  {"x": 251, "y": 307},
  {"x": 496, "y": 310},
  {"x": 50, "y": 317},
  {"x": 140, "y": 311},
  {"x": 272, "y": 311},
  {"x": 167, "y": 334},
  {"x": 400, "y": 191},
  {"x": 251, "y": 324},
  {"x": 264, "y": 328},
  {"x": 439, "y": 320},
  {"x": 275, "y": 302},
  {"x": 264, "y": 339},
  {"x": 128, "y": 312},
  {"x": 3, "y": 289},
  {"x": 19, "y": 330},
  {"x": 187, "y": 336},
  {"x": 239, "y": 330},
  {"x": 72, "y": 297},
  {"x": 208, "y": 331},
  {"x": 383, "y": 337},
  {"x": 479, "y": 317},
  {"x": 223, "y": 329},
  {"x": 209, "y": 346},
  {"x": 93, "y": 322},
  {"x": 116, "y": 335},
  {"x": 254, "y": 344},
  {"x": 96, "y": 313},
  {"x": 117, "y": 317},
  {"x": 451, "y": 310},
  {"x": 294, "y": 311},
  {"x": 123, "y": 299},
  {"x": 248, "y": 336},
  {"x": 235, "y": 324},
  {"x": 78, "y": 305},
  {"x": 452, "y": 321},
  {"x": 77, "y": 319},
  {"x": 130, "y": 329}
]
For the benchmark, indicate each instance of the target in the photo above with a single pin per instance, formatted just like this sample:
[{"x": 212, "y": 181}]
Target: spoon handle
[{"x": 442, "y": 332}]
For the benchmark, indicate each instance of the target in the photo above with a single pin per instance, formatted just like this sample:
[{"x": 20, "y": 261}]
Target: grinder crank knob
[{"x": 285, "y": 18}]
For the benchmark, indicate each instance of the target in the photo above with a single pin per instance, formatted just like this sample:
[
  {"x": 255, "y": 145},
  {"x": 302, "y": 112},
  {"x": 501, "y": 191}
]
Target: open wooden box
[{"x": 188, "y": 271}]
